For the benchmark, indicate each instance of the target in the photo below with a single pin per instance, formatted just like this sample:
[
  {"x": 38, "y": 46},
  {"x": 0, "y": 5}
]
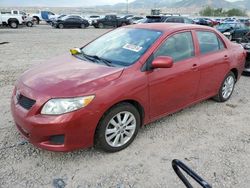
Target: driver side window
[{"x": 179, "y": 46}]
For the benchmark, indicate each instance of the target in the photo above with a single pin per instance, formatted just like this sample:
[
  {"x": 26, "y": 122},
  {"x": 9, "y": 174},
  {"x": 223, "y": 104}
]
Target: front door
[{"x": 173, "y": 88}]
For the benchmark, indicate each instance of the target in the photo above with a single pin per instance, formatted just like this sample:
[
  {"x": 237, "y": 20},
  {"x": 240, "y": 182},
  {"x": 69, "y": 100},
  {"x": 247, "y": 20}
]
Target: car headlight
[
  {"x": 65, "y": 105},
  {"x": 227, "y": 33}
]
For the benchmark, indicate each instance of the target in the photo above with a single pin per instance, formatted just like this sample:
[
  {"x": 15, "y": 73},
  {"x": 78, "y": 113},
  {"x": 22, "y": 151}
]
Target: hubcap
[
  {"x": 120, "y": 129},
  {"x": 228, "y": 86},
  {"x": 13, "y": 24}
]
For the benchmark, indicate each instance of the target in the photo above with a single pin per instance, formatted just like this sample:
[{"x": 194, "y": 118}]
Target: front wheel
[
  {"x": 226, "y": 89},
  {"x": 118, "y": 128},
  {"x": 29, "y": 24}
]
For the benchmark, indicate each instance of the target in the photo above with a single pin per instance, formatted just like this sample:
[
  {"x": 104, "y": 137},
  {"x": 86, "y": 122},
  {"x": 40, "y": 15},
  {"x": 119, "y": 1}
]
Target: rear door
[
  {"x": 214, "y": 62},
  {"x": 173, "y": 88}
]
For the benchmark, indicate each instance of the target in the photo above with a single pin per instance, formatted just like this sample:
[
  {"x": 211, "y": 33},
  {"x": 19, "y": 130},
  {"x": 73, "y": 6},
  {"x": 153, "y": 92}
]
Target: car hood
[{"x": 69, "y": 76}]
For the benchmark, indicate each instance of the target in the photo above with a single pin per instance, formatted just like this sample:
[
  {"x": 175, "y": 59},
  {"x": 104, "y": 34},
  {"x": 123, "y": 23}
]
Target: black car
[
  {"x": 202, "y": 21},
  {"x": 110, "y": 21},
  {"x": 154, "y": 19},
  {"x": 179, "y": 19},
  {"x": 245, "y": 42},
  {"x": 233, "y": 30},
  {"x": 70, "y": 22}
]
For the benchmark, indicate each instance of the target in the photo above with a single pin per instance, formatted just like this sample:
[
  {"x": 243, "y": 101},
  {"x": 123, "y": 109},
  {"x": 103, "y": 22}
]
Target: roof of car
[{"x": 168, "y": 26}]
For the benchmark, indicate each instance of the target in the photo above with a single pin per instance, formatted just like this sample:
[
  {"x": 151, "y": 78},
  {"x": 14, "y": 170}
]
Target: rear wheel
[
  {"x": 13, "y": 24},
  {"x": 60, "y": 26},
  {"x": 29, "y": 24},
  {"x": 226, "y": 89},
  {"x": 118, "y": 128},
  {"x": 83, "y": 26},
  {"x": 100, "y": 25}
]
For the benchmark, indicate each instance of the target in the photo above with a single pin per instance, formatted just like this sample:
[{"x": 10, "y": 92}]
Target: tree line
[{"x": 209, "y": 11}]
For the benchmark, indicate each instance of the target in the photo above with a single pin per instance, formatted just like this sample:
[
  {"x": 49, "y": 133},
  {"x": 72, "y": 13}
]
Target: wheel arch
[
  {"x": 13, "y": 20},
  {"x": 235, "y": 72},
  {"x": 37, "y": 17},
  {"x": 133, "y": 102}
]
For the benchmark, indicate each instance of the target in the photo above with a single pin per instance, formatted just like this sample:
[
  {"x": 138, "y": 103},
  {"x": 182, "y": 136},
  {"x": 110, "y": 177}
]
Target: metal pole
[{"x": 127, "y": 6}]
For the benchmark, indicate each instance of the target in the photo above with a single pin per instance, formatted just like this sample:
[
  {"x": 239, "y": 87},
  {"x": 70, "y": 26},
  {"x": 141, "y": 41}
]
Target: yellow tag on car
[{"x": 75, "y": 51}]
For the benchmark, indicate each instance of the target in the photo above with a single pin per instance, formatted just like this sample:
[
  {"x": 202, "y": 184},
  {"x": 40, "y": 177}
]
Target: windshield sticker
[{"x": 132, "y": 47}]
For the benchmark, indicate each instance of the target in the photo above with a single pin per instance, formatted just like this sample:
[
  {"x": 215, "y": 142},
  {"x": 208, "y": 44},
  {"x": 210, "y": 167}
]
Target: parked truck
[
  {"x": 110, "y": 21},
  {"x": 28, "y": 21},
  {"x": 43, "y": 16},
  {"x": 12, "y": 20}
]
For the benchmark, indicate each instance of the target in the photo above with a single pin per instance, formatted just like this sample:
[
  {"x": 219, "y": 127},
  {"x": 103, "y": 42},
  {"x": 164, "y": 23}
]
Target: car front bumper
[{"x": 65, "y": 132}]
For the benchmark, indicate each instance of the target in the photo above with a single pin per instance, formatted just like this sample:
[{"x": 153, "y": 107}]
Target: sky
[{"x": 60, "y": 3}]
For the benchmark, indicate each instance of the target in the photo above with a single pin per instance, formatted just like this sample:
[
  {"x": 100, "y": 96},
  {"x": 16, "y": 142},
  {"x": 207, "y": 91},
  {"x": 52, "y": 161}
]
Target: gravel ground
[{"x": 212, "y": 138}]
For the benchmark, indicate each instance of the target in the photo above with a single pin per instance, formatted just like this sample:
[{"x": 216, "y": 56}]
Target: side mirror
[{"x": 162, "y": 62}]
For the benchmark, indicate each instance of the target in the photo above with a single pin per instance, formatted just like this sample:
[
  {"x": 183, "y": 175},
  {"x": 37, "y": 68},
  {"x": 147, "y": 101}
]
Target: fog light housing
[{"x": 57, "y": 139}]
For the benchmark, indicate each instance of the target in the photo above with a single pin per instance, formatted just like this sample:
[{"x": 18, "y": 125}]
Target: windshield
[
  {"x": 122, "y": 46},
  {"x": 226, "y": 25}
]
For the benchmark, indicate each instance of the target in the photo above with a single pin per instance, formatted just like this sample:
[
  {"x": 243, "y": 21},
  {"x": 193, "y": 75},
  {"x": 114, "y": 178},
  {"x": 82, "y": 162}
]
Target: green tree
[
  {"x": 236, "y": 12},
  {"x": 209, "y": 11}
]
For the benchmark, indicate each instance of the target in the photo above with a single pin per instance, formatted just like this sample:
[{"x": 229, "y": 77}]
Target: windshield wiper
[{"x": 95, "y": 57}]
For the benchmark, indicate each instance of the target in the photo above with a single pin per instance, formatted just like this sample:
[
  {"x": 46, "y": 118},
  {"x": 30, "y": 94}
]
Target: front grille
[{"x": 25, "y": 102}]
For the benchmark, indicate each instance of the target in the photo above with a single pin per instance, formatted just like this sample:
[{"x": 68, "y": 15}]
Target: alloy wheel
[
  {"x": 228, "y": 87},
  {"x": 120, "y": 129}
]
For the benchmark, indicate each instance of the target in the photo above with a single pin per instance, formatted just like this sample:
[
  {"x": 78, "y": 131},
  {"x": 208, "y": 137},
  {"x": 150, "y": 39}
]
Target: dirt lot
[{"x": 213, "y": 138}]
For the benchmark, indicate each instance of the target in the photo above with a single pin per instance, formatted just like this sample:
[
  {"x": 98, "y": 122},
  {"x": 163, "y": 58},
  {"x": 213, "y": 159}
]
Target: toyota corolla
[{"x": 101, "y": 94}]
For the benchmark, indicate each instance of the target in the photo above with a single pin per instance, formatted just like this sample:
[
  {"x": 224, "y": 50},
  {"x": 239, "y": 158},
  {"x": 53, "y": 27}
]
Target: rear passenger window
[
  {"x": 179, "y": 46},
  {"x": 209, "y": 42}
]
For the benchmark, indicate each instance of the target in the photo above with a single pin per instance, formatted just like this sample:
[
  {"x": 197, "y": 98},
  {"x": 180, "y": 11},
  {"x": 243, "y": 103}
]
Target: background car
[
  {"x": 179, "y": 19},
  {"x": 71, "y": 22},
  {"x": 92, "y": 18},
  {"x": 245, "y": 42},
  {"x": 202, "y": 21},
  {"x": 135, "y": 19},
  {"x": 110, "y": 21},
  {"x": 233, "y": 30}
]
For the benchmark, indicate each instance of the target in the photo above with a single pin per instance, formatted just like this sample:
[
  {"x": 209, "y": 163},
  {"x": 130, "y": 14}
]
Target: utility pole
[{"x": 127, "y": 6}]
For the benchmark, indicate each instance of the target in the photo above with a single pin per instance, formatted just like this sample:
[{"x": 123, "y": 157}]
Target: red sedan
[{"x": 125, "y": 79}]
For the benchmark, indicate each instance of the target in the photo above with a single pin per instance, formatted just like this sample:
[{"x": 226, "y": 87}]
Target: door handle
[
  {"x": 194, "y": 67},
  {"x": 226, "y": 57}
]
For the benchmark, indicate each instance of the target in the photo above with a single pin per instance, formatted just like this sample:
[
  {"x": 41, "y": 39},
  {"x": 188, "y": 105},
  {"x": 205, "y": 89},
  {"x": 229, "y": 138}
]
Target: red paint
[{"x": 160, "y": 92}]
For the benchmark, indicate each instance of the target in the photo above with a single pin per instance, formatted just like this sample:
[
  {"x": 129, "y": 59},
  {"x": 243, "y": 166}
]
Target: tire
[
  {"x": 227, "y": 88},
  {"x": 124, "y": 24},
  {"x": 29, "y": 24},
  {"x": 109, "y": 131},
  {"x": 13, "y": 24},
  {"x": 100, "y": 25},
  {"x": 60, "y": 26},
  {"x": 83, "y": 26}
]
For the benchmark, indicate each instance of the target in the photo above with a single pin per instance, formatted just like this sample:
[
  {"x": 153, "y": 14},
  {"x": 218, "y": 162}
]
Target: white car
[
  {"x": 92, "y": 18},
  {"x": 27, "y": 19},
  {"x": 12, "y": 20}
]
